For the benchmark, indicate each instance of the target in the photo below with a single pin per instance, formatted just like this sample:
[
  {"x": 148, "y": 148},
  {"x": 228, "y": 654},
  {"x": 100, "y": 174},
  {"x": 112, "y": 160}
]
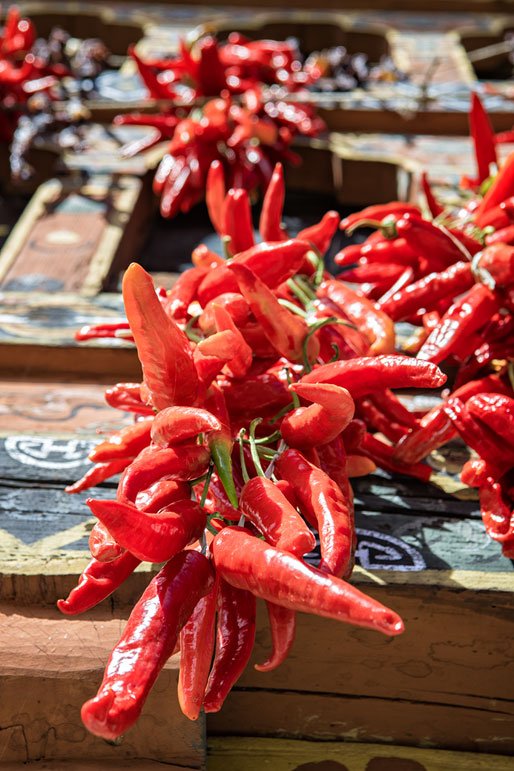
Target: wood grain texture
[
  {"x": 249, "y": 754},
  {"x": 50, "y": 665}
]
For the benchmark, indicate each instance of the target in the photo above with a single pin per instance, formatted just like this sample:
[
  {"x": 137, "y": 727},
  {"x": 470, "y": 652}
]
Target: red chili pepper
[
  {"x": 125, "y": 443},
  {"x": 359, "y": 466},
  {"x": 503, "y": 236},
  {"x": 475, "y": 472},
  {"x": 326, "y": 504},
  {"x": 196, "y": 650},
  {"x": 98, "y": 581},
  {"x": 234, "y": 304},
  {"x": 279, "y": 577},
  {"x": 282, "y": 623},
  {"x": 376, "y": 419},
  {"x": 268, "y": 509},
  {"x": 210, "y": 73},
  {"x": 499, "y": 216},
  {"x": 285, "y": 331},
  {"x": 396, "y": 250},
  {"x": 429, "y": 240},
  {"x": 354, "y": 434},
  {"x": 161, "y": 494},
  {"x": 270, "y": 224},
  {"x": 378, "y": 213},
  {"x": 366, "y": 316},
  {"x": 273, "y": 263},
  {"x": 365, "y": 374},
  {"x": 202, "y": 257},
  {"x": 183, "y": 292},
  {"x": 333, "y": 460},
  {"x": 156, "y": 89},
  {"x": 321, "y": 234},
  {"x": 95, "y": 331},
  {"x": 99, "y": 473},
  {"x": 261, "y": 394},
  {"x": 147, "y": 642},
  {"x": 491, "y": 447},
  {"x": 127, "y": 397},
  {"x": 163, "y": 349},
  {"x": 174, "y": 425},
  {"x": 215, "y": 194},
  {"x": 102, "y": 545},
  {"x": 322, "y": 421},
  {"x": 496, "y": 515},
  {"x": 502, "y": 188},
  {"x": 350, "y": 255},
  {"x": 382, "y": 455},
  {"x": 426, "y": 292},
  {"x": 482, "y": 135},
  {"x": 498, "y": 261},
  {"x": 466, "y": 315},
  {"x": 187, "y": 461},
  {"x": 239, "y": 365},
  {"x": 497, "y": 412},
  {"x": 372, "y": 272},
  {"x": 211, "y": 355},
  {"x": 435, "y": 208},
  {"x": 237, "y": 221},
  {"x": 392, "y": 407},
  {"x": 234, "y": 642}
]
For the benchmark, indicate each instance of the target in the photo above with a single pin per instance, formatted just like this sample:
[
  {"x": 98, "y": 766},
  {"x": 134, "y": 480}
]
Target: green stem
[
  {"x": 303, "y": 283},
  {"x": 304, "y": 298},
  {"x": 253, "y": 447},
  {"x": 265, "y": 439},
  {"x": 282, "y": 412},
  {"x": 189, "y": 330},
  {"x": 296, "y": 399},
  {"x": 244, "y": 470},
  {"x": 206, "y": 486},
  {"x": 293, "y": 308}
]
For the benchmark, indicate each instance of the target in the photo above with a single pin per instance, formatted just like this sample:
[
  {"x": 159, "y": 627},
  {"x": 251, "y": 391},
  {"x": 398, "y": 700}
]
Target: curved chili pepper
[
  {"x": 502, "y": 188},
  {"x": 503, "y": 236},
  {"x": 333, "y": 460},
  {"x": 430, "y": 240},
  {"x": 282, "y": 623},
  {"x": 285, "y": 331},
  {"x": 161, "y": 494},
  {"x": 102, "y": 545},
  {"x": 376, "y": 419},
  {"x": 378, "y": 212},
  {"x": 496, "y": 515},
  {"x": 235, "y": 636},
  {"x": 128, "y": 442},
  {"x": 498, "y": 261},
  {"x": 321, "y": 234},
  {"x": 237, "y": 221},
  {"x": 483, "y": 138},
  {"x": 156, "y": 89},
  {"x": 466, "y": 315},
  {"x": 491, "y": 447},
  {"x": 174, "y": 425},
  {"x": 359, "y": 466},
  {"x": 367, "y": 317},
  {"x": 127, "y": 397},
  {"x": 151, "y": 537},
  {"x": 233, "y": 303},
  {"x": 350, "y": 255},
  {"x": 322, "y": 421},
  {"x": 270, "y": 224},
  {"x": 196, "y": 650},
  {"x": 392, "y": 407},
  {"x": 98, "y": 581},
  {"x": 147, "y": 642},
  {"x": 326, "y": 504},
  {"x": 99, "y": 473},
  {"x": 213, "y": 353},
  {"x": 496, "y": 411},
  {"x": 365, "y": 374},
  {"x": 396, "y": 250},
  {"x": 273, "y": 263},
  {"x": 382, "y": 455},
  {"x": 499, "y": 216},
  {"x": 426, "y": 292},
  {"x": 181, "y": 463},
  {"x": 239, "y": 365},
  {"x": 268, "y": 509},
  {"x": 248, "y": 563},
  {"x": 435, "y": 208},
  {"x": 215, "y": 194},
  {"x": 183, "y": 292},
  {"x": 476, "y": 472},
  {"x": 163, "y": 349},
  {"x": 202, "y": 257}
]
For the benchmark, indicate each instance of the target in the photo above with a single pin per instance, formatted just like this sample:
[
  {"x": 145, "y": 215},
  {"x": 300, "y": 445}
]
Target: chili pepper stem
[
  {"x": 296, "y": 400},
  {"x": 189, "y": 330},
  {"x": 298, "y": 291},
  {"x": 281, "y": 448},
  {"x": 244, "y": 470},
  {"x": 293, "y": 308},
  {"x": 253, "y": 448}
]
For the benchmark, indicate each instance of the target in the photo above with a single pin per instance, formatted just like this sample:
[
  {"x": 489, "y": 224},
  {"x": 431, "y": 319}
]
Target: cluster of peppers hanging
[{"x": 267, "y": 385}]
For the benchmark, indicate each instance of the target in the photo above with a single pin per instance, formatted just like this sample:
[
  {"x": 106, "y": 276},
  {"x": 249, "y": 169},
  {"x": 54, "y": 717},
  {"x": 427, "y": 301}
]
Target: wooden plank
[
  {"x": 58, "y": 663},
  {"x": 93, "y": 765},
  {"x": 70, "y": 235},
  {"x": 251, "y": 754}
]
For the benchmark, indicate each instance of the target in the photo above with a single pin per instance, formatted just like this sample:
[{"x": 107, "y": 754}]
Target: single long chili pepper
[
  {"x": 147, "y": 642},
  {"x": 365, "y": 374},
  {"x": 395, "y": 250},
  {"x": 498, "y": 261},
  {"x": 496, "y": 411},
  {"x": 273, "y": 263},
  {"x": 183, "y": 292},
  {"x": 151, "y": 537},
  {"x": 322, "y": 421},
  {"x": 270, "y": 223},
  {"x": 237, "y": 221},
  {"x": 103, "y": 545},
  {"x": 496, "y": 515},
  {"x": 127, "y": 442},
  {"x": 376, "y": 419},
  {"x": 215, "y": 194},
  {"x": 392, "y": 407},
  {"x": 502, "y": 188},
  {"x": 210, "y": 73},
  {"x": 372, "y": 272},
  {"x": 174, "y": 425},
  {"x": 350, "y": 255},
  {"x": 432, "y": 241},
  {"x": 366, "y": 316},
  {"x": 285, "y": 331},
  {"x": 156, "y": 89},
  {"x": 239, "y": 365},
  {"x": 428, "y": 290},
  {"x": 483, "y": 138},
  {"x": 98, "y": 581},
  {"x": 321, "y": 234},
  {"x": 382, "y": 455},
  {"x": 196, "y": 649},
  {"x": 235, "y": 637},
  {"x": 127, "y": 397},
  {"x": 187, "y": 461},
  {"x": 378, "y": 212},
  {"x": 99, "y": 473},
  {"x": 503, "y": 236},
  {"x": 161, "y": 494},
  {"x": 234, "y": 304},
  {"x": 95, "y": 331},
  {"x": 435, "y": 208},
  {"x": 325, "y": 501},
  {"x": 212, "y": 353},
  {"x": 333, "y": 460},
  {"x": 163, "y": 349},
  {"x": 478, "y": 436},
  {"x": 268, "y": 509},
  {"x": 500, "y": 216},
  {"x": 282, "y": 623},
  {"x": 466, "y": 315},
  {"x": 248, "y": 563}
]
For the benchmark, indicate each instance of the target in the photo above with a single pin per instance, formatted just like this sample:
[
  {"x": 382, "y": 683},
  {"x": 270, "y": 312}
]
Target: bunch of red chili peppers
[
  {"x": 267, "y": 385},
  {"x": 247, "y": 136}
]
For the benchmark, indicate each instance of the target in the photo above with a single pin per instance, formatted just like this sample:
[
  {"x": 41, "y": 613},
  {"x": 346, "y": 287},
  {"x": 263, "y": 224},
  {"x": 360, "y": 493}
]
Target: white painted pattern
[{"x": 48, "y": 452}]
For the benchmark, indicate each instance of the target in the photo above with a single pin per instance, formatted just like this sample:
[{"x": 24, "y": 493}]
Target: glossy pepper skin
[
  {"x": 163, "y": 349},
  {"x": 270, "y": 224},
  {"x": 99, "y": 473},
  {"x": 502, "y": 188},
  {"x": 268, "y": 509},
  {"x": 327, "y": 505},
  {"x": 151, "y": 537},
  {"x": 147, "y": 642},
  {"x": 127, "y": 397},
  {"x": 320, "y": 235},
  {"x": 248, "y": 563},
  {"x": 123, "y": 444},
  {"x": 365, "y": 374},
  {"x": 102, "y": 545},
  {"x": 174, "y": 425},
  {"x": 498, "y": 261},
  {"x": 235, "y": 637},
  {"x": 237, "y": 221},
  {"x": 496, "y": 411},
  {"x": 489, "y": 445},
  {"x": 322, "y": 421},
  {"x": 215, "y": 194},
  {"x": 282, "y": 623}
]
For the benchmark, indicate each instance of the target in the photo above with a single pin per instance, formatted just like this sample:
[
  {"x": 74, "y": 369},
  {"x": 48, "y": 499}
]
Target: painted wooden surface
[{"x": 247, "y": 754}]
